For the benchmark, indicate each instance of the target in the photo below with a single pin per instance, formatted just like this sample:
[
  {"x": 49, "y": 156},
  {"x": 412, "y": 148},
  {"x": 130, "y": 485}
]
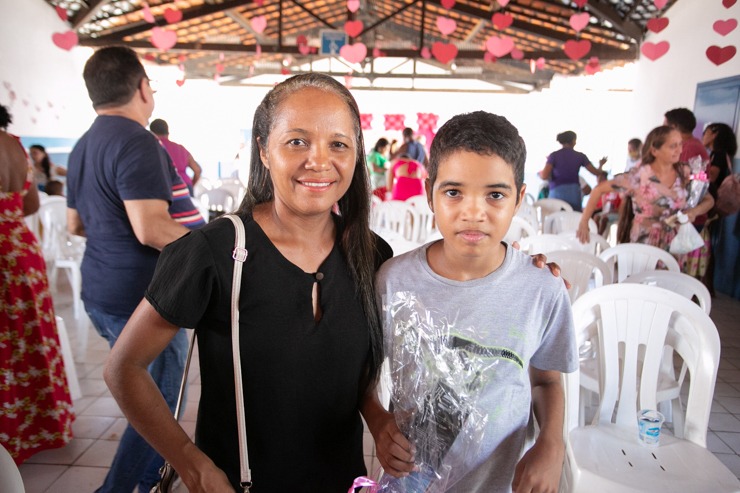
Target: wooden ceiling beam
[
  {"x": 606, "y": 12},
  {"x": 85, "y": 14}
]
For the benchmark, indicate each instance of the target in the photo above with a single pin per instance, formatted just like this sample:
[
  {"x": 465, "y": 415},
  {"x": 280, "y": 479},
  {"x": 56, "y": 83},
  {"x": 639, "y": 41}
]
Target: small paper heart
[
  {"x": 149, "y": 57},
  {"x": 353, "y": 28},
  {"x": 258, "y": 51},
  {"x": 301, "y": 40},
  {"x": 444, "y": 52},
  {"x": 499, "y": 46},
  {"x": 728, "y": 3},
  {"x": 660, "y": 3},
  {"x": 219, "y": 68},
  {"x": 146, "y": 12},
  {"x": 259, "y": 3},
  {"x": 580, "y": 3},
  {"x": 65, "y": 41},
  {"x": 258, "y": 23},
  {"x": 517, "y": 54},
  {"x": 488, "y": 57},
  {"x": 502, "y": 21},
  {"x": 579, "y": 21},
  {"x": 503, "y": 3},
  {"x": 653, "y": 51},
  {"x": 724, "y": 28},
  {"x": 448, "y": 4},
  {"x": 353, "y": 5},
  {"x": 576, "y": 50},
  {"x": 446, "y": 25},
  {"x": 657, "y": 24},
  {"x": 425, "y": 53},
  {"x": 61, "y": 12},
  {"x": 592, "y": 68},
  {"x": 180, "y": 82},
  {"x": 377, "y": 53},
  {"x": 540, "y": 63},
  {"x": 353, "y": 53},
  {"x": 285, "y": 71},
  {"x": 348, "y": 81},
  {"x": 172, "y": 15},
  {"x": 163, "y": 39},
  {"x": 718, "y": 55},
  {"x": 304, "y": 49}
]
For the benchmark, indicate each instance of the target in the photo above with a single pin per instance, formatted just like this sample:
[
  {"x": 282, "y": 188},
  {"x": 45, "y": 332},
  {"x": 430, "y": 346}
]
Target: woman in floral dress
[
  {"x": 658, "y": 188},
  {"x": 35, "y": 406}
]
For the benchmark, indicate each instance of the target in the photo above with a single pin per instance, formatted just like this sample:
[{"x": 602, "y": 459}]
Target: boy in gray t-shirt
[{"x": 500, "y": 307}]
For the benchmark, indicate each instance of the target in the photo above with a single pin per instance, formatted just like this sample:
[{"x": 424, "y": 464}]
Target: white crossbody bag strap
[{"x": 240, "y": 256}]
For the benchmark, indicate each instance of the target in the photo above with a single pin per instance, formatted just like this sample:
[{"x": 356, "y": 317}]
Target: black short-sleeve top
[{"x": 301, "y": 378}]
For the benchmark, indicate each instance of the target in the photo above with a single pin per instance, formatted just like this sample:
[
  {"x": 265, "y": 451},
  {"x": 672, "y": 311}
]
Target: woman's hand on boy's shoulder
[{"x": 540, "y": 260}]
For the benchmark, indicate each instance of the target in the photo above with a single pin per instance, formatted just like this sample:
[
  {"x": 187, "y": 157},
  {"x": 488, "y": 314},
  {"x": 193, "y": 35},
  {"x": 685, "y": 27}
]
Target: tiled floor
[{"x": 81, "y": 466}]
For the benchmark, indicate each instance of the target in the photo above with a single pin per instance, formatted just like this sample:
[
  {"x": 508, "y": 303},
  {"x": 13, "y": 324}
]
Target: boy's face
[{"x": 473, "y": 199}]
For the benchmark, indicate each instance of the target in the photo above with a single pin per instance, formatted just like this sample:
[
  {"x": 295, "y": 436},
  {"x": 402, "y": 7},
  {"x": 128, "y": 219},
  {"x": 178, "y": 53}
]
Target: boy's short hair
[
  {"x": 54, "y": 187},
  {"x": 159, "y": 127},
  {"x": 567, "y": 137},
  {"x": 112, "y": 76},
  {"x": 681, "y": 118},
  {"x": 482, "y": 133},
  {"x": 634, "y": 143}
]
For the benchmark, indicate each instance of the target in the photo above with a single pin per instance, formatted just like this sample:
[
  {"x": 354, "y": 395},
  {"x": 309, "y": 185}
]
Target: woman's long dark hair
[
  {"x": 357, "y": 242},
  {"x": 45, "y": 162}
]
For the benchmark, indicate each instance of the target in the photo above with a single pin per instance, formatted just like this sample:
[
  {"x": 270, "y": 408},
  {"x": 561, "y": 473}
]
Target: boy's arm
[
  {"x": 391, "y": 447},
  {"x": 540, "y": 468}
]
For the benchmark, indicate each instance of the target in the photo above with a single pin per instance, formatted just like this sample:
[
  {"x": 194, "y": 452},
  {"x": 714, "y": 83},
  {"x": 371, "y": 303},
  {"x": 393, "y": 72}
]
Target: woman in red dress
[{"x": 35, "y": 406}]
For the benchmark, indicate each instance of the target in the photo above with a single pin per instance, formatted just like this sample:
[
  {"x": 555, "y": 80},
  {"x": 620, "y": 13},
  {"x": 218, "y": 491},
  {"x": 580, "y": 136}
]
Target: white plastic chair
[
  {"x": 394, "y": 216},
  {"x": 546, "y": 243},
  {"x": 565, "y": 221},
  {"x": 69, "y": 363},
  {"x": 233, "y": 186},
  {"x": 678, "y": 282},
  {"x": 631, "y": 258},
  {"x": 584, "y": 271},
  {"x": 529, "y": 212},
  {"x": 424, "y": 218},
  {"x": 61, "y": 250},
  {"x": 218, "y": 201},
  {"x": 519, "y": 228},
  {"x": 10, "y": 477},
  {"x": 547, "y": 206},
  {"x": 628, "y": 320},
  {"x": 596, "y": 244}
]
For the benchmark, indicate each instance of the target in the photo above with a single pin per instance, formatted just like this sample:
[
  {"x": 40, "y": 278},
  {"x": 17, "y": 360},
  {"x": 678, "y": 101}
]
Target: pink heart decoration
[
  {"x": 580, "y": 3},
  {"x": 443, "y": 52},
  {"x": 425, "y": 53},
  {"x": 517, "y": 54},
  {"x": 354, "y": 53},
  {"x": 448, "y": 4},
  {"x": 182, "y": 58},
  {"x": 579, "y": 21},
  {"x": 724, "y": 28},
  {"x": 304, "y": 49},
  {"x": 445, "y": 25},
  {"x": 301, "y": 40},
  {"x": 653, "y": 51},
  {"x": 180, "y": 82},
  {"x": 61, "y": 12},
  {"x": 593, "y": 65},
  {"x": 499, "y": 46},
  {"x": 728, "y": 3},
  {"x": 149, "y": 57},
  {"x": 353, "y": 28},
  {"x": 65, "y": 41},
  {"x": 353, "y": 5},
  {"x": 172, "y": 16},
  {"x": 660, "y": 3},
  {"x": 657, "y": 24},
  {"x": 219, "y": 68},
  {"x": 540, "y": 63},
  {"x": 488, "y": 57},
  {"x": 348, "y": 81},
  {"x": 377, "y": 53},
  {"x": 503, "y": 3},
  {"x": 258, "y": 51},
  {"x": 258, "y": 23},
  {"x": 147, "y": 14},
  {"x": 502, "y": 21},
  {"x": 259, "y": 3},
  {"x": 163, "y": 39},
  {"x": 577, "y": 49},
  {"x": 718, "y": 55},
  {"x": 285, "y": 71}
]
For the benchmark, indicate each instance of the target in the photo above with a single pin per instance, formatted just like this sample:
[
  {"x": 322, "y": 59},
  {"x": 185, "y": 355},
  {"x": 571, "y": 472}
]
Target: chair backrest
[
  {"x": 234, "y": 186},
  {"x": 395, "y": 216},
  {"x": 547, "y": 206},
  {"x": 519, "y": 228},
  {"x": 595, "y": 245},
  {"x": 632, "y": 258},
  {"x": 546, "y": 243},
  {"x": 633, "y": 323},
  {"x": 678, "y": 282},
  {"x": 565, "y": 221},
  {"x": 219, "y": 200},
  {"x": 529, "y": 212},
  {"x": 53, "y": 218},
  {"x": 10, "y": 478},
  {"x": 583, "y": 270},
  {"x": 423, "y": 224}
]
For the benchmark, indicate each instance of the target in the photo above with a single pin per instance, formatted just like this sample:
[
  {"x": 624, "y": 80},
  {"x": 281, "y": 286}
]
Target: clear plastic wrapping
[
  {"x": 437, "y": 375},
  {"x": 699, "y": 182}
]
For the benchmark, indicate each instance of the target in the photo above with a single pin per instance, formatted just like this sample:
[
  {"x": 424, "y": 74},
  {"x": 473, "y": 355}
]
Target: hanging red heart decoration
[
  {"x": 444, "y": 52},
  {"x": 580, "y": 3},
  {"x": 448, "y": 4},
  {"x": 425, "y": 53},
  {"x": 719, "y": 55},
  {"x": 653, "y": 51},
  {"x": 657, "y": 24},
  {"x": 724, "y": 28},
  {"x": 65, "y": 41},
  {"x": 61, "y": 12},
  {"x": 728, "y": 3},
  {"x": 488, "y": 57},
  {"x": 180, "y": 82},
  {"x": 660, "y": 3},
  {"x": 163, "y": 39},
  {"x": 577, "y": 49},
  {"x": 502, "y": 21},
  {"x": 353, "y": 28},
  {"x": 172, "y": 16}
]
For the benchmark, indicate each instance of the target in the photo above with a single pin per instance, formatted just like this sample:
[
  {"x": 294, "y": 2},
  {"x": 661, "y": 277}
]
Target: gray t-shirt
[{"x": 517, "y": 316}]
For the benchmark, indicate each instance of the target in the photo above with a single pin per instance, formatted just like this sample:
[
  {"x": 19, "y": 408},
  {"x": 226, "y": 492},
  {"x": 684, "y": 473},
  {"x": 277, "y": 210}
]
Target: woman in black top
[{"x": 311, "y": 342}]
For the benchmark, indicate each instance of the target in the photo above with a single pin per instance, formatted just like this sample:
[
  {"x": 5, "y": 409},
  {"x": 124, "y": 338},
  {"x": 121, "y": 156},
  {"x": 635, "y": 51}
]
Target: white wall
[{"x": 670, "y": 82}]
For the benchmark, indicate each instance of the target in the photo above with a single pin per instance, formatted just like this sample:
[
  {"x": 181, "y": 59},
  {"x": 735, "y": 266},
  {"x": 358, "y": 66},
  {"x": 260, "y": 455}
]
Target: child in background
[{"x": 520, "y": 314}]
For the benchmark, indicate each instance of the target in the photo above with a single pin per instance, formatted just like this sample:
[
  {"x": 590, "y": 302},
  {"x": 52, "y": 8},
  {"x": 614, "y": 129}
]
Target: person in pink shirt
[{"x": 181, "y": 158}]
